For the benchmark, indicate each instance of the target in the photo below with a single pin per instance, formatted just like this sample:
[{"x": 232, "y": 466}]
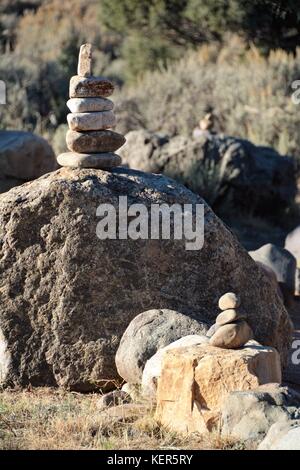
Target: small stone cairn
[
  {"x": 231, "y": 331},
  {"x": 91, "y": 143}
]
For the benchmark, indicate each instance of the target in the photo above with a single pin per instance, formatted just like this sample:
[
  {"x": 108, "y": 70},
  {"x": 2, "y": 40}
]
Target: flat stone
[
  {"x": 228, "y": 316},
  {"x": 194, "y": 382},
  {"x": 228, "y": 301},
  {"x": 84, "y": 105},
  {"x": 86, "y": 87},
  {"x": 91, "y": 121},
  {"x": 94, "y": 141},
  {"x": 85, "y": 160},
  {"x": 232, "y": 336},
  {"x": 85, "y": 60}
]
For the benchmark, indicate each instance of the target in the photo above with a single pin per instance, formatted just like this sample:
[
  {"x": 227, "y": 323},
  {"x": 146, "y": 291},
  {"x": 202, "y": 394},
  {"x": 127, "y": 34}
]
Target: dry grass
[{"x": 54, "y": 419}]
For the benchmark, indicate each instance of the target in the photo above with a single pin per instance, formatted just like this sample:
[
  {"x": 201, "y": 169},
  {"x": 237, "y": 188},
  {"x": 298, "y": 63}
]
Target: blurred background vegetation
[{"x": 170, "y": 60}]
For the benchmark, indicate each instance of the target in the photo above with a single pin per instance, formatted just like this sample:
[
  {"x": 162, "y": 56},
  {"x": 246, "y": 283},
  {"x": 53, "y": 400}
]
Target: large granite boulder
[
  {"x": 66, "y": 297},
  {"x": 23, "y": 157},
  {"x": 218, "y": 167}
]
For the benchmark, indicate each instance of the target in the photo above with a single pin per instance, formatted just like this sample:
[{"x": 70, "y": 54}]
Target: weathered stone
[
  {"x": 232, "y": 336},
  {"x": 229, "y": 301},
  {"x": 261, "y": 173},
  {"x": 83, "y": 105},
  {"x": 93, "y": 160},
  {"x": 91, "y": 121},
  {"x": 281, "y": 261},
  {"x": 228, "y": 316},
  {"x": 248, "y": 415},
  {"x": 94, "y": 141},
  {"x": 282, "y": 435},
  {"x": 90, "y": 87},
  {"x": 24, "y": 156},
  {"x": 85, "y": 61},
  {"x": 195, "y": 381},
  {"x": 152, "y": 369},
  {"x": 114, "y": 398},
  {"x": 66, "y": 297},
  {"x": 271, "y": 276},
  {"x": 148, "y": 332}
]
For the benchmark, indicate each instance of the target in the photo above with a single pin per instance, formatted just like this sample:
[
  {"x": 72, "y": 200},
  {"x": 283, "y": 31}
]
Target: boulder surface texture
[{"x": 66, "y": 296}]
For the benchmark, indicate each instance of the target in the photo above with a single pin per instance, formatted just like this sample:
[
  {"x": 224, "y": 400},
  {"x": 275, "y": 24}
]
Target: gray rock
[
  {"x": 153, "y": 366},
  {"x": 24, "y": 156},
  {"x": 283, "y": 435},
  {"x": 146, "y": 334},
  {"x": 242, "y": 168},
  {"x": 84, "y": 105},
  {"x": 211, "y": 331},
  {"x": 292, "y": 244},
  {"x": 232, "y": 336},
  {"x": 281, "y": 262},
  {"x": 249, "y": 415},
  {"x": 67, "y": 297},
  {"x": 94, "y": 141},
  {"x": 85, "y": 160},
  {"x": 90, "y": 87},
  {"x": 114, "y": 398},
  {"x": 91, "y": 121},
  {"x": 228, "y": 316}
]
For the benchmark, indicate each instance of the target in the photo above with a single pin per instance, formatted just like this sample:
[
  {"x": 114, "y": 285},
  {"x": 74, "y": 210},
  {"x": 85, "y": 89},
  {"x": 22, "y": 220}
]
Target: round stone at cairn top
[
  {"x": 229, "y": 301},
  {"x": 91, "y": 142}
]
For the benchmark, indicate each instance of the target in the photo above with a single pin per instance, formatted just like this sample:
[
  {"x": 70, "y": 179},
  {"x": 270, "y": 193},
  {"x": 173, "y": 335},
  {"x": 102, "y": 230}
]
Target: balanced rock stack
[
  {"x": 231, "y": 330},
  {"x": 91, "y": 143}
]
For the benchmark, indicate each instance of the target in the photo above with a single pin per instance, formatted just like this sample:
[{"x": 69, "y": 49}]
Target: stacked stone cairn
[
  {"x": 91, "y": 143},
  {"x": 231, "y": 331}
]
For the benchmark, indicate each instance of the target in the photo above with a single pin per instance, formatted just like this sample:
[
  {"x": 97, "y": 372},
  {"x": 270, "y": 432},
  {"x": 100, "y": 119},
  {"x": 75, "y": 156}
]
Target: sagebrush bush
[{"x": 250, "y": 95}]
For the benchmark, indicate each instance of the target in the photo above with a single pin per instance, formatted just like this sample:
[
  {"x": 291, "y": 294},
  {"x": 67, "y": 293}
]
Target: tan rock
[
  {"x": 94, "y": 160},
  {"x": 232, "y": 336},
  {"x": 229, "y": 301},
  {"x": 195, "y": 381},
  {"x": 94, "y": 141},
  {"x": 228, "y": 316},
  {"x": 85, "y": 105},
  {"x": 91, "y": 121},
  {"x": 85, "y": 87},
  {"x": 85, "y": 61}
]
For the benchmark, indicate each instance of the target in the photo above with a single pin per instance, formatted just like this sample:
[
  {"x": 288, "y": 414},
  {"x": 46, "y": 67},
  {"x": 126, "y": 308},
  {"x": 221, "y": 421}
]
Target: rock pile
[
  {"x": 230, "y": 331},
  {"x": 91, "y": 143}
]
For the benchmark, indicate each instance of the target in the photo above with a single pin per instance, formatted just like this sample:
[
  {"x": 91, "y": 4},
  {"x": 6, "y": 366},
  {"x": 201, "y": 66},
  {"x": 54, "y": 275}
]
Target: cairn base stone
[
  {"x": 85, "y": 87},
  {"x": 86, "y": 160}
]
